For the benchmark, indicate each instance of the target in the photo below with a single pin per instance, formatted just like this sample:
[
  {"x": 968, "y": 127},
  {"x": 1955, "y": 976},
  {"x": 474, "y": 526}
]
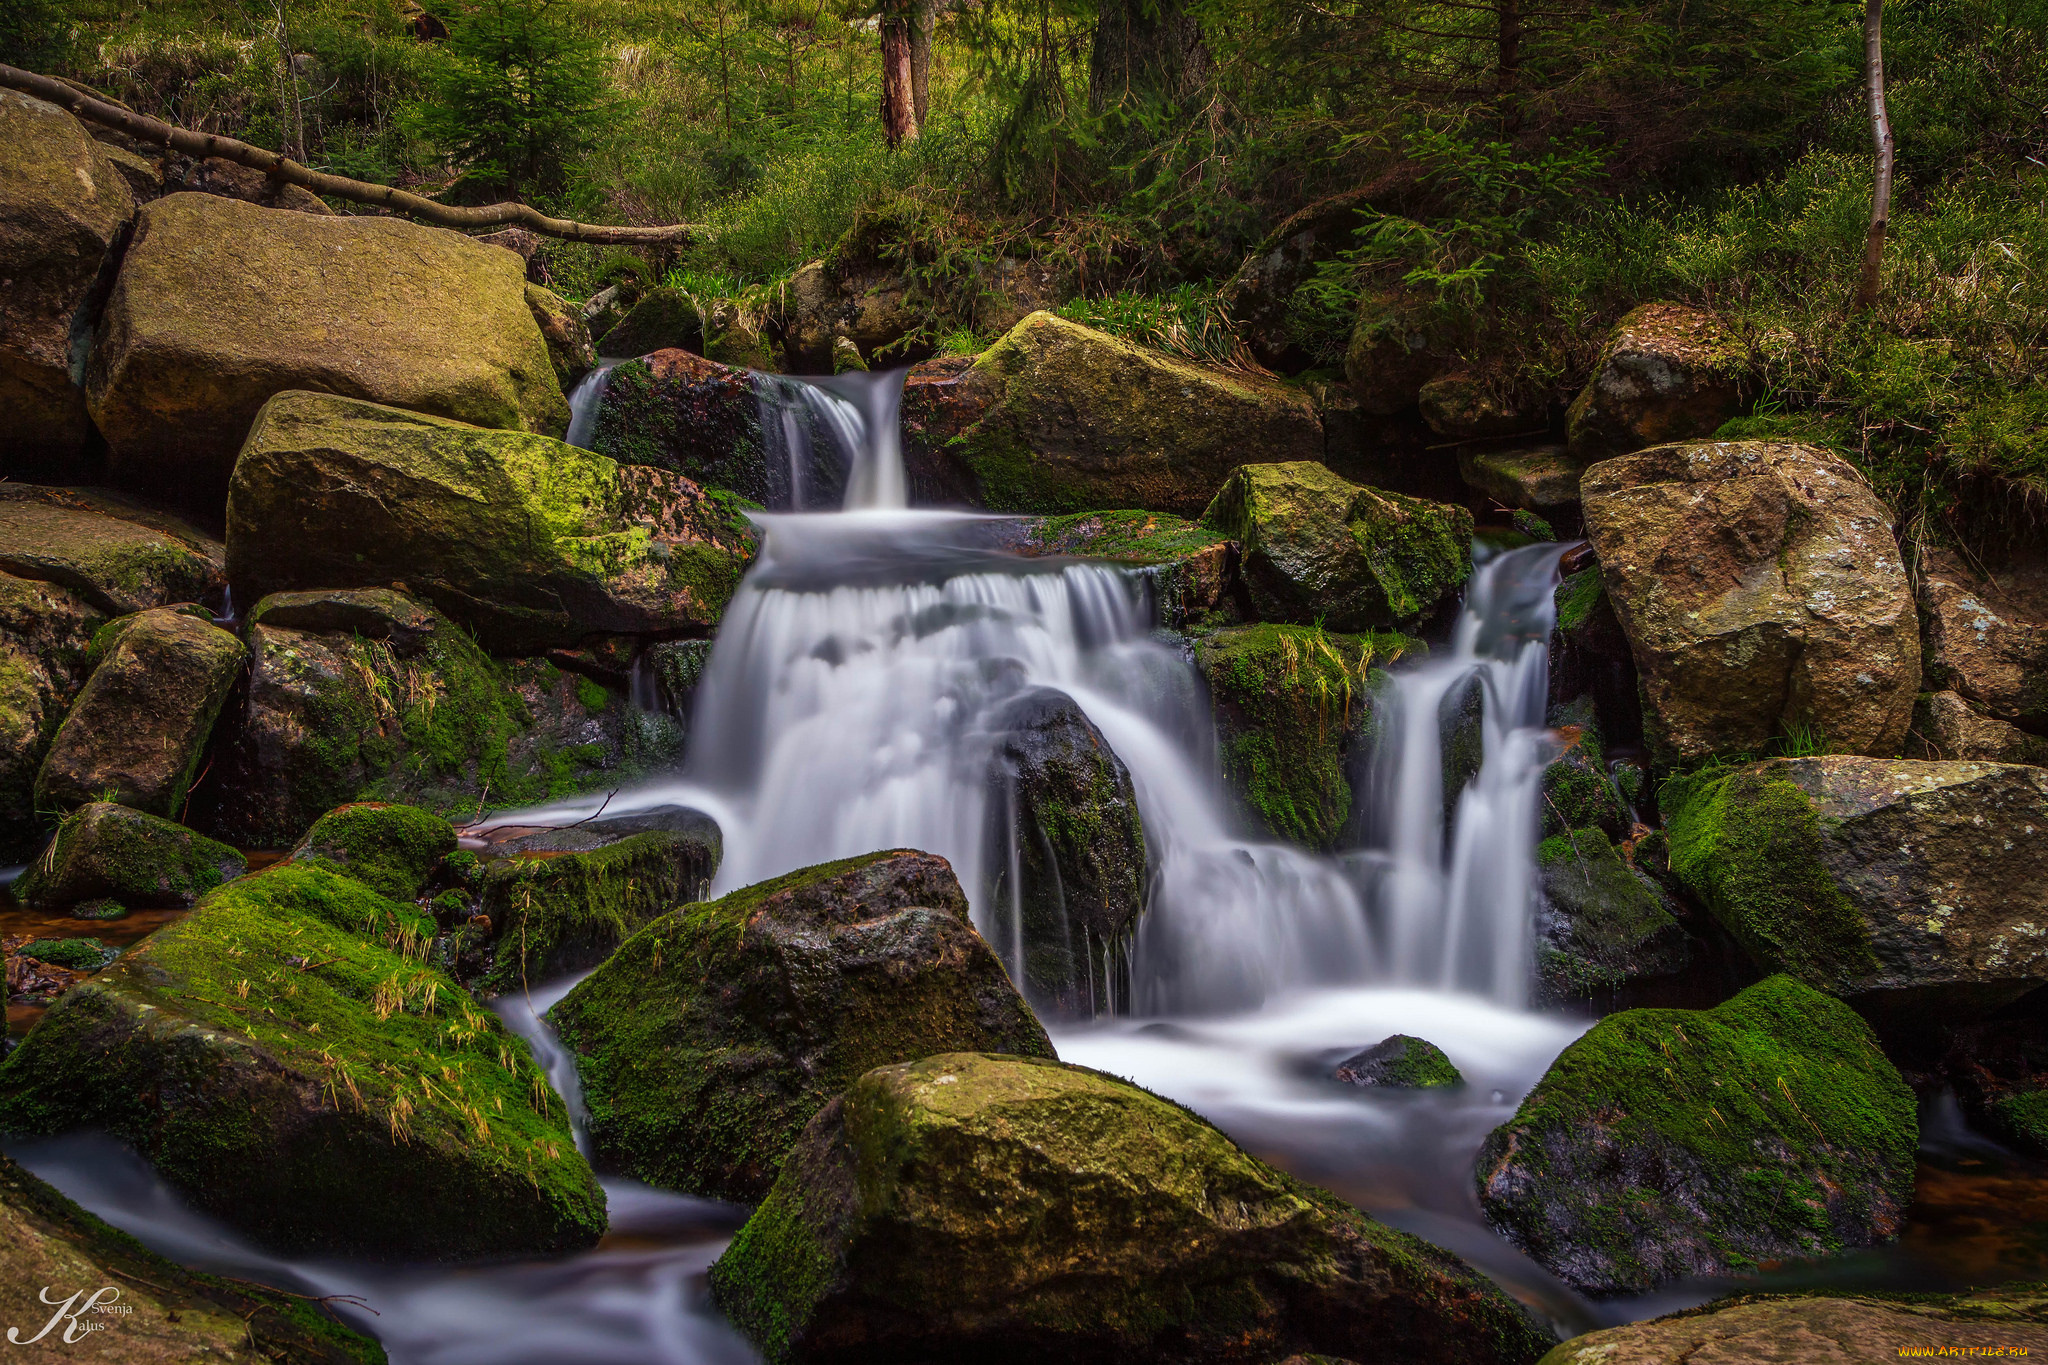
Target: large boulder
[
  {"x": 107, "y": 852},
  {"x": 974, "y": 1207},
  {"x": 118, "y": 557},
  {"x": 392, "y": 849},
  {"x": 1673, "y": 1143},
  {"x": 1066, "y": 849},
  {"x": 712, "y": 1036},
  {"x": 1986, "y": 637},
  {"x": 1320, "y": 548},
  {"x": 1667, "y": 373},
  {"x": 1393, "y": 352},
  {"x": 1762, "y": 594},
  {"x": 1602, "y": 926},
  {"x": 1901, "y": 885},
  {"x": 528, "y": 541},
  {"x": 285, "y": 1060},
  {"x": 1191, "y": 570},
  {"x": 1543, "y": 478},
  {"x": 63, "y": 211},
  {"x": 561, "y": 326},
  {"x": 140, "y": 725},
  {"x": 221, "y": 305},
  {"x": 45, "y": 635},
  {"x": 1945, "y": 725}
]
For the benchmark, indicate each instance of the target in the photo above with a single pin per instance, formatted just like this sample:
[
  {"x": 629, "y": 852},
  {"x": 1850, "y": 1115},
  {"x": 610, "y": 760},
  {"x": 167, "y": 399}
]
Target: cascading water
[{"x": 584, "y": 402}]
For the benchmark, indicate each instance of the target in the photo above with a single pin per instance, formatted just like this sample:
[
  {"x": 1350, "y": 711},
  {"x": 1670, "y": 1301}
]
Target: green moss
[
  {"x": 389, "y": 848},
  {"x": 105, "y": 851},
  {"x": 1615, "y": 928},
  {"x": 663, "y": 319},
  {"x": 1577, "y": 599},
  {"x": 556, "y": 913},
  {"x": 77, "y": 954},
  {"x": 592, "y": 694},
  {"x": 2024, "y": 1119},
  {"x": 1403, "y": 1062}
]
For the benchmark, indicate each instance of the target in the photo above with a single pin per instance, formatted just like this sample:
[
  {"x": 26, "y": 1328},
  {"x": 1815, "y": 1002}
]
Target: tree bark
[
  {"x": 1508, "y": 64},
  {"x": 925, "y": 16},
  {"x": 1881, "y": 140},
  {"x": 1145, "y": 49},
  {"x": 899, "y": 84}
]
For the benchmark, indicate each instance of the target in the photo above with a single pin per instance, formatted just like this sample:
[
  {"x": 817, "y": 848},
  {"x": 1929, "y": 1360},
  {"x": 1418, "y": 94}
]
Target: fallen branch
[{"x": 286, "y": 171}]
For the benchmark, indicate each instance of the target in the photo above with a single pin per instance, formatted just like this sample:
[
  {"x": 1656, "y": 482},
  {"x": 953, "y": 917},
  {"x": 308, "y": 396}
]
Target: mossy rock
[
  {"x": 1603, "y": 925},
  {"x": 1190, "y": 569},
  {"x": 1673, "y": 1143},
  {"x": 1578, "y": 791},
  {"x": 1320, "y": 548},
  {"x": 107, "y": 852},
  {"x": 118, "y": 565},
  {"x": 285, "y": 1058},
  {"x": 1541, "y": 478},
  {"x": 561, "y": 326},
  {"x": 1667, "y": 373},
  {"x": 1400, "y": 1063},
  {"x": 45, "y": 633},
  {"x": 72, "y": 954},
  {"x": 711, "y": 1037},
  {"x": 970, "y": 1206},
  {"x": 664, "y": 319},
  {"x": 389, "y": 848}
]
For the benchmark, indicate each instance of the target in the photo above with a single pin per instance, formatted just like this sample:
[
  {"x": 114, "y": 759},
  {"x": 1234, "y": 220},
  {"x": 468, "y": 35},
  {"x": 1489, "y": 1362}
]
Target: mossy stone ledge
[
  {"x": 104, "y": 851},
  {"x": 1192, "y": 571},
  {"x": 1602, "y": 925},
  {"x": 391, "y": 849}
]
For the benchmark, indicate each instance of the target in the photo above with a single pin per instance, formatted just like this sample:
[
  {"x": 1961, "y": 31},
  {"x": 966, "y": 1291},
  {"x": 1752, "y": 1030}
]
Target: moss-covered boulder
[
  {"x": 133, "y": 1306},
  {"x": 1603, "y": 926},
  {"x": 285, "y": 1058},
  {"x": 561, "y": 326},
  {"x": 1542, "y": 478},
  {"x": 391, "y": 849},
  {"x": 1578, "y": 790},
  {"x": 45, "y": 635},
  {"x": 221, "y": 305},
  {"x": 118, "y": 557},
  {"x": 1293, "y": 704},
  {"x": 1066, "y": 418},
  {"x": 63, "y": 208},
  {"x": 140, "y": 725},
  {"x": 662, "y": 319},
  {"x": 107, "y": 852},
  {"x": 1006, "y": 1208},
  {"x": 72, "y": 954},
  {"x": 712, "y": 1036},
  {"x": 1067, "y": 850},
  {"x": 1320, "y": 548},
  {"x": 1400, "y": 1063},
  {"x": 1762, "y": 593},
  {"x": 1903, "y": 885},
  {"x": 1673, "y": 1143},
  {"x": 1667, "y": 373},
  {"x": 526, "y": 540},
  {"x": 1463, "y": 406},
  {"x": 1191, "y": 570},
  {"x": 1590, "y": 657}
]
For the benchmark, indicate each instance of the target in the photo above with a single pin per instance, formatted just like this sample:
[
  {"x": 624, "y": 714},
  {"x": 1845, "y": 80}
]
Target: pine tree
[{"x": 522, "y": 93}]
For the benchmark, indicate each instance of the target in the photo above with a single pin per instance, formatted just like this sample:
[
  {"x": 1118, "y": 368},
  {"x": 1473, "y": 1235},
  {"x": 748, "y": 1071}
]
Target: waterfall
[
  {"x": 584, "y": 402},
  {"x": 855, "y": 416}
]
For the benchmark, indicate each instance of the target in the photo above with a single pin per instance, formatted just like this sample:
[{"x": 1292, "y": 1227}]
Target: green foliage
[
  {"x": 77, "y": 954},
  {"x": 1188, "y": 321}
]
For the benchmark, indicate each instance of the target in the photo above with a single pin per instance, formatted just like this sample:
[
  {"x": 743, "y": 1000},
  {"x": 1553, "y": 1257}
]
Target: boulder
[
  {"x": 232, "y": 180},
  {"x": 561, "y": 326},
  {"x": 1986, "y": 638},
  {"x": 846, "y": 356},
  {"x": 45, "y": 632},
  {"x": 1762, "y": 594},
  {"x": 1672, "y": 1143},
  {"x": 1667, "y": 373},
  {"x": 1602, "y": 925},
  {"x": 220, "y": 305},
  {"x": 1590, "y": 657},
  {"x": 1293, "y": 707},
  {"x": 119, "y": 558},
  {"x": 1464, "y": 407},
  {"x": 1902, "y": 885},
  {"x": 63, "y": 212},
  {"x": 662, "y": 319},
  {"x": 1579, "y": 791},
  {"x": 860, "y": 292},
  {"x": 391, "y": 849},
  {"x": 144, "y": 175},
  {"x": 1320, "y": 548},
  {"x": 712, "y": 1036},
  {"x": 1057, "y": 417},
  {"x": 107, "y": 852},
  {"x": 1066, "y": 849},
  {"x": 1537, "y": 478},
  {"x": 1400, "y": 1063},
  {"x": 1767, "y": 1329},
  {"x": 283, "y": 1057},
  {"x": 975, "y": 1207},
  {"x": 140, "y": 725},
  {"x": 1393, "y": 353},
  {"x": 1191, "y": 570},
  {"x": 1947, "y": 726},
  {"x": 526, "y": 540},
  {"x": 675, "y": 668}
]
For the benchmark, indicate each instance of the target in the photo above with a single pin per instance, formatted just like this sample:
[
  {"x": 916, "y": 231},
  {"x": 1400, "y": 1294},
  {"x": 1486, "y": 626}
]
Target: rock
[
  {"x": 220, "y": 305},
  {"x": 1765, "y": 1329},
  {"x": 1603, "y": 926},
  {"x": 677, "y": 667},
  {"x": 517, "y": 240},
  {"x": 1057, "y": 417},
  {"x": 391, "y": 849},
  {"x": 44, "y": 634},
  {"x": 1578, "y": 791},
  {"x": 1762, "y": 593},
  {"x": 372, "y": 613},
  {"x": 73, "y": 954},
  {"x": 1904, "y": 886},
  {"x": 846, "y": 356},
  {"x": 561, "y": 326},
  {"x": 1673, "y": 1143},
  {"x": 1401, "y": 1063},
  {"x": 1293, "y": 705},
  {"x": 1998, "y": 1070},
  {"x": 1540, "y": 478},
  {"x": 1590, "y": 657},
  {"x": 144, "y": 175},
  {"x": 970, "y": 1207},
  {"x": 232, "y": 180},
  {"x": 63, "y": 211},
  {"x": 1946, "y": 726},
  {"x": 1320, "y": 548},
  {"x": 1982, "y": 639},
  {"x": 103, "y": 851},
  {"x": 283, "y": 1058},
  {"x": 737, "y": 341},
  {"x": 1463, "y": 407},
  {"x": 860, "y": 292},
  {"x": 701, "y": 419},
  {"x": 662, "y": 320},
  {"x": 140, "y": 1308},
  {"x": 137, "y": 731},
  {"x": 1392, "y": 354},
  {"x": 1192, "y": 571},
  {"x": 95, "y": 547},
  {"x": 528, "y": 541},
  {"x": 556, "y": 913},
  {"x": 711, "y": 1037},
  {"x": 1067, "y": 850},
  {"x": 1667, "y": 373}
]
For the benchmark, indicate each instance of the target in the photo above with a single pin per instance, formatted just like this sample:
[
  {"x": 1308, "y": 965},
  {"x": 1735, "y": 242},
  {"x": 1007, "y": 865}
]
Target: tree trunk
[
  {"x": 925, "y": 14},
  {"x": 1145, "y": 49},
  {"x": 899, "y": 85},
  {"x": 1508, "y": 64},
  {"x": 1881, "y": 139}
]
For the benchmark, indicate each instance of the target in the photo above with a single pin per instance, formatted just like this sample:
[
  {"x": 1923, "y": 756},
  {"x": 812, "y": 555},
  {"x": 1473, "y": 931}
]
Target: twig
[{"x": 352, "y": 1300}]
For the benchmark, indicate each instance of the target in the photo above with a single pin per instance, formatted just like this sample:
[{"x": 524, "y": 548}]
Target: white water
[{"x": 584, "y": 402}]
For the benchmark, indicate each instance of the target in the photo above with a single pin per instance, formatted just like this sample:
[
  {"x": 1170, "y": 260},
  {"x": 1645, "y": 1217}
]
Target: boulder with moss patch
[
  {"x": 109, "y": 852},
  {"x": 1667, "y": 373},
  {"x": 1005, "y": 1208},
  {"x": 284, "y": 1057},
  {"x": 1590, "y": 656},
  {"x": 45, "y": 634},
  {"x": 561, "y": 327},
  {"x": 118, "y": 557},
  {"x": 1320, "y": 548},
  {"x": 1190, "y": 569},
  {"x": 1672, "y": 1143},
  {"x": 1542, "y": 478},
  {"x": 391, "y": 849},
  {"x": 662, "y": 319},
  {"x": 1602, "y": 925},
  {"x": 1578, "y": 790},
  {"x": 712, "y": 1036},
  {"x": 1400, "y": 1063}
]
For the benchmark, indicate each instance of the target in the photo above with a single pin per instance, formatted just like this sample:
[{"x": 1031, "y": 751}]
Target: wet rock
[
  {"x": 1463, "y": 407},
  {"x": 118, "y": 563},
  {"x": 677, "y": 411},
  {"x": 712, "y": 1036},
  {"x": 1319, "y": 548},
  {"x": 1192, "y": 570},
  {"x": 1947, "y": 726},
  {"x": 1673, "y": 1143},
  {"x": 1603, "y": 926},
  {"x": 1393, "y": 353},
  {"x": 73, "y": 954},
  {"x": 284, "y": 1058},
  {"x": 1905, "y": 886},
  {"x": 1401, "y": 1063},
  {"x": 107, "y": 852},
  {"x": 391, "y": 849},
  {"x": 1667, "y": 373},
  {"x": 561, "y": 326},
  {"x": 45, "y": 632},
  {"x": 979, "y": 1207},
  {"x": 1578, "y": 791},
  {"x": 140, "y": 725},
  {"x": 1762, "y": 593},
  {"x": 846, "y": 356},
  {"x": 528, "y": 541},
  {"x": 1998, "y": 1069},
  {"x": 677, "y": 668},
  {"x": 221, "y": 305},
  {"x": 1590, "y": 657},
  {"x": 1538, "y": 478},
  {"x": 63, "y": 211},
  {"x": 1986, "y": 639},
  {"x": 662, "y": 319},
  {"x": 1067, "y": 851}
]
